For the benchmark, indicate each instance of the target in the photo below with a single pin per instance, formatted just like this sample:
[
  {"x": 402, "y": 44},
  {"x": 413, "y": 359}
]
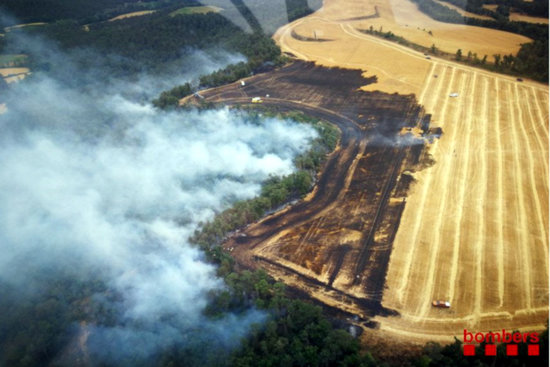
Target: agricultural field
[
  {"x": 515, "y": 16},
  {"x": 196, "y": 10},
  {"x": 12, "y": 60},
  {"x": 462, "y": 11},
  {"x": 526, "y": 18},
  {"x": 132, "y": 14},
  {"x": 418, "y": 207},
  {"x": 474, "y": 230},
  {"x": 397, "y": 69},
  {"x": 11, "y": 75},
  {"x": 26, "y": 25}
]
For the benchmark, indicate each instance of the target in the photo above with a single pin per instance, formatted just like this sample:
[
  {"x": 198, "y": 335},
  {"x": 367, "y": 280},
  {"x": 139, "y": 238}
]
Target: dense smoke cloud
[{"x": 95, "y": 182}]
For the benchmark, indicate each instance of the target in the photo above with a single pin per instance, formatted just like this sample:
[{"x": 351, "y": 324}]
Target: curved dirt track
[{"x": 475, "y": 227}]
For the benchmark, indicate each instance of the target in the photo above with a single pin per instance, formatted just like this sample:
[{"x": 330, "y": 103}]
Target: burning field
[
  {"x": 392, "y": 227},
  {"x": 336, "y": 244}
]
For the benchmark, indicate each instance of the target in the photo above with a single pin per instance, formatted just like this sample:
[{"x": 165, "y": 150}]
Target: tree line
[
  {"x": 154, "y": 42},
  {"x": 170, "y": 99},
  {"x": 82, "y": 11},
  {"x": 530, "y": 61},
  {"x": 536, "y": 8},
  {"x": 445, "y": 14}
]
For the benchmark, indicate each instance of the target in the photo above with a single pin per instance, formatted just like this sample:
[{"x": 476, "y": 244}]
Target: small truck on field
[{"x": 441, "y": 304}]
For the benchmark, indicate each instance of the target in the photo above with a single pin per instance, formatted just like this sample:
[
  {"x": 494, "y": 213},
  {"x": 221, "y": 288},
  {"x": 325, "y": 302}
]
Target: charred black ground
[{"x": 336, "y": 245}]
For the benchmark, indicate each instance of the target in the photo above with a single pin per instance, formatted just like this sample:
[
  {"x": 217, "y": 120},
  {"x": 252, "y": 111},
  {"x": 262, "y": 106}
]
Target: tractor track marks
[
  {"x": 404, "y": 279},
  {"x": 521, "y": 213},
  {"x": 477, "y": 235},
  {"x": 499, "y": 212}
]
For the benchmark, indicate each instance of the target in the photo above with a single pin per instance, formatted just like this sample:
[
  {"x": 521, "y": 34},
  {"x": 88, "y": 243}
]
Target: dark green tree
[
  {"x": 458, "y": 55},
  {"x": 497, "y": 60}
]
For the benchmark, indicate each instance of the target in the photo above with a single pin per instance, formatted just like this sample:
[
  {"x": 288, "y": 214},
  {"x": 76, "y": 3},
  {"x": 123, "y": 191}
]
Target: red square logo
[
  {"x": 511, "y": 349},
  {"x": 490, "y": 350},
  {"x": 469, "y": 350},
  {"x": 533, "y": 350}
]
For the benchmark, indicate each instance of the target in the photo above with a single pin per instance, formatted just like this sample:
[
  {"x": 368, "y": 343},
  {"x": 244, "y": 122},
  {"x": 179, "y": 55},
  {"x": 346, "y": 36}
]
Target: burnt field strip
[{"x": 335, "y": 245}]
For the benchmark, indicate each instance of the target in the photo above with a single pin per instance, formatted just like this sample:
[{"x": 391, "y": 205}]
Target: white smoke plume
[{"x": 92, "y": 181}]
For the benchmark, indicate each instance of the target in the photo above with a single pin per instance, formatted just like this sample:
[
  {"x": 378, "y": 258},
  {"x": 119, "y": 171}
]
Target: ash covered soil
[{"x": 335, "y": 245}]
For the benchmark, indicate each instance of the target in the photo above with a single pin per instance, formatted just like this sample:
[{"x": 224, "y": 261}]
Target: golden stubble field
[
  {"x": 11, "y": 75},
  {"x": 475, "y": 227},
  {"x": 132, "y": 14},
  {"x": 461, "y": 11},
  {"x": 397, "y": 69},
  {"x": 519, "y": 17}
]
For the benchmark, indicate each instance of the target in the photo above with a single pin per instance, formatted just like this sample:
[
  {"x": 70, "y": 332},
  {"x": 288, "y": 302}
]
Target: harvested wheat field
[
  {"x": 462, "y": 11},
  {"x": 514, "y": 16},
  {"x": 11, "y": 75},
  {"x": 526, "y": 18},
  {"x": 474, "y": 230},
  {"x": 131, "y": 15},
  {"x": 9, "y": 29},
  {"x": 339, "y": 23}
]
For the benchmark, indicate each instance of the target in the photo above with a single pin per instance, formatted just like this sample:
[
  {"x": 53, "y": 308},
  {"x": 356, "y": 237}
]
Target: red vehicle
[{"x": 442, "y": 304}]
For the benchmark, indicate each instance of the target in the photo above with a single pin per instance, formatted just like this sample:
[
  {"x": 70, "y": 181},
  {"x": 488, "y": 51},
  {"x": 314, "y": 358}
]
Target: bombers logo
[{"x": 510, "y": 339}]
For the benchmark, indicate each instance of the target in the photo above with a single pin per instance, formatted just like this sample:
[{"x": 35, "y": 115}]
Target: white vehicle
[
  {"x": 243, "y": 83},
  {"x": 454, "y": 95},
  {"x": 256, "y": 100},
  {"x": 441, "y": 304}
]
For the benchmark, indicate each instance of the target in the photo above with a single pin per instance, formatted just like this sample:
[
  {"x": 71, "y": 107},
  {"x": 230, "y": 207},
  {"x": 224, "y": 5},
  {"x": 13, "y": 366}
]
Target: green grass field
[
  {"x": 12, "y": 60},
  {"x": 196, "y": 10}
]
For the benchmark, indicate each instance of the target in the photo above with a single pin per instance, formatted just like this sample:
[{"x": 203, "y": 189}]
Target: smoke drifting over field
[{"x": 94, "y": 182}]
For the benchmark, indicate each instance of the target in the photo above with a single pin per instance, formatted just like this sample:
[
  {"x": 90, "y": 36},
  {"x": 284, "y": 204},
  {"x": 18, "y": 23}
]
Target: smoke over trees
[{"x": 98, "y": 196}]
